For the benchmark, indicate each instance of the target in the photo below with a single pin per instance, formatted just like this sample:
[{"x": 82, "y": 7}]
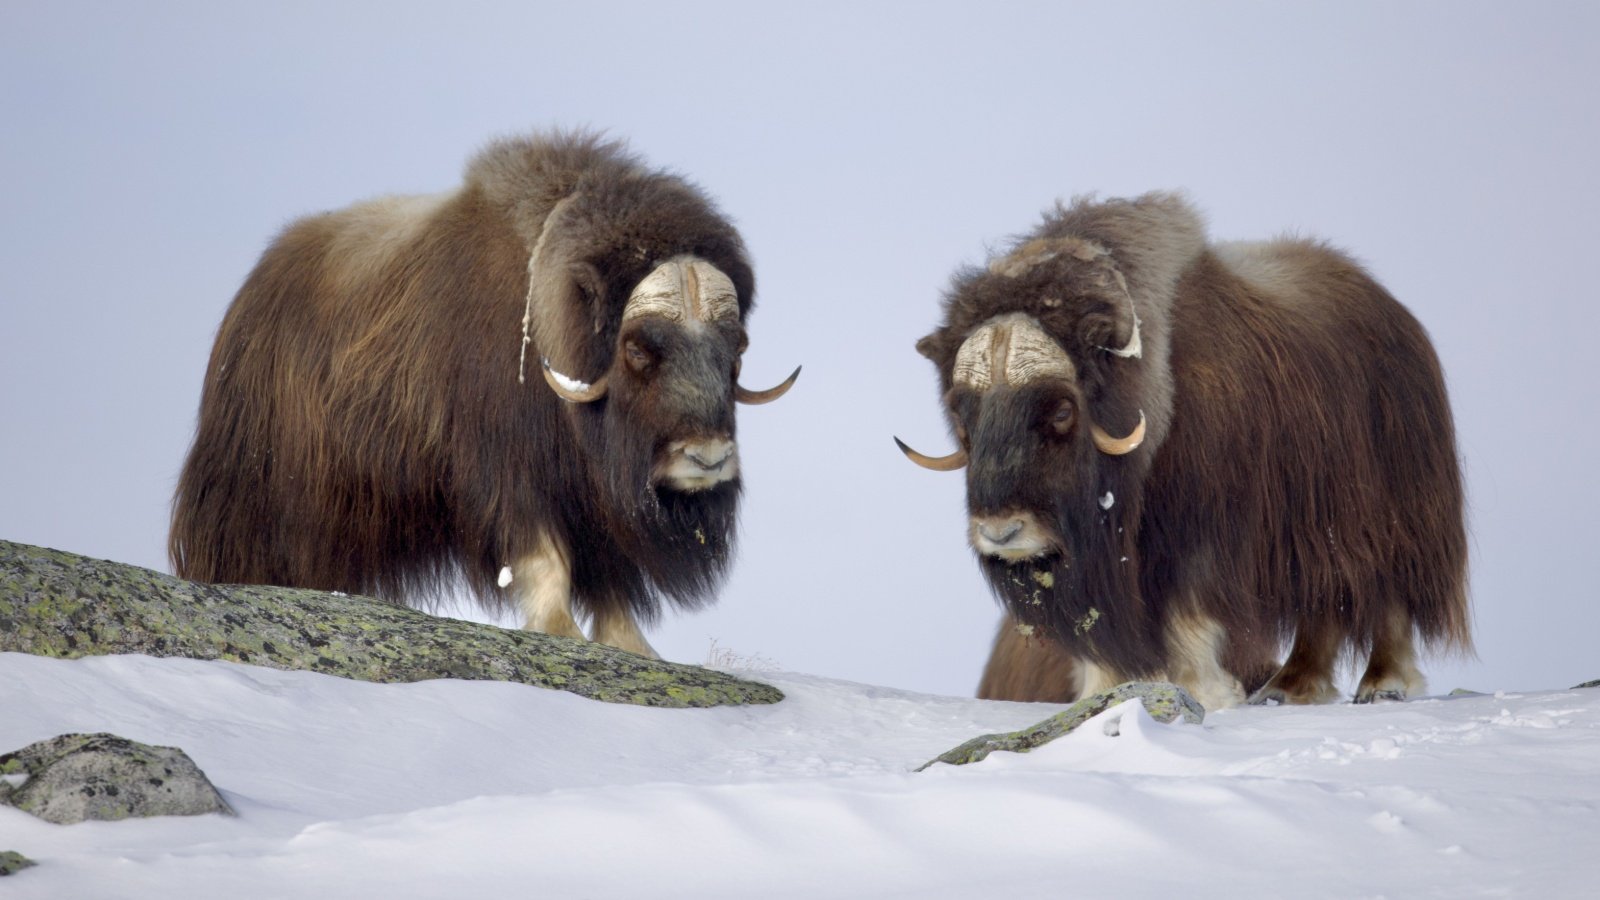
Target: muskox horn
[
  {"x": 1134, "y": 348},
  {"x": 1118, "y": 446},
  {"x": 745, "y": 395},
  {"x": 571, "y": 389},
  {"x": 949, "y": 463}
]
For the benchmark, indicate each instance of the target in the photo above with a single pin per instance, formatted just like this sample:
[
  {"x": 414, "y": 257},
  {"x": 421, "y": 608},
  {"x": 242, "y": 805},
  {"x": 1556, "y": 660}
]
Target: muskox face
[
  {"x": 673, "y": 381},
  {"x": 1043, "y": 477},
  {"x": 1025, "y": 432}
]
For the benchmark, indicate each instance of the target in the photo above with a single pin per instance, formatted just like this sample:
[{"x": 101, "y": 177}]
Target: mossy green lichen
[
  {"x": 12, "y": 862},
  {"x": 1087, "y": 621},
  {"x": 63, "y": 605}
]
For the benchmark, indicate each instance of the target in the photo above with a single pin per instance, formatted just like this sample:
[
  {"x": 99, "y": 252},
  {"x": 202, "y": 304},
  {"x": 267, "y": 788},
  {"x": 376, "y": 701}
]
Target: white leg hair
[
  {"x": 542, "y": 582},
  {"x": 1194, "y": 661},
  {"x": 1093, "y": 679},
  {"x": 619, "y": 629}
]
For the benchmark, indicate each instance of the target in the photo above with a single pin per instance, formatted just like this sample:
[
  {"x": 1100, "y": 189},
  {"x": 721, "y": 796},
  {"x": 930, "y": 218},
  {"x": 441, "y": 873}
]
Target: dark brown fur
[
  {"x": 362, "y": 426},
  {"x": 1300, "y": 475}
]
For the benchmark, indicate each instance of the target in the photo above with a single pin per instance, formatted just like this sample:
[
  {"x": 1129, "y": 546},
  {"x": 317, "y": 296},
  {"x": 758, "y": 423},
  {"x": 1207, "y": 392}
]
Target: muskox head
[
  {"x": 1044, "y": 364},
  {"x": 637, "y": 300},
  {"x": 676, "y": 369}
]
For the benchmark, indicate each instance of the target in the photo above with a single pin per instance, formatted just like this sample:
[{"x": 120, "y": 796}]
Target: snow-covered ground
[{"x": 474, "y": 789}]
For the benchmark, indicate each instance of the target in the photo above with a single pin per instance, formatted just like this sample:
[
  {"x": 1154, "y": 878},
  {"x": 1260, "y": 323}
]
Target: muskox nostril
[
  {"x": 1000, "y": 533},
  {"x": 708, "y": 465},
  {"x": 710, "y": 456}
]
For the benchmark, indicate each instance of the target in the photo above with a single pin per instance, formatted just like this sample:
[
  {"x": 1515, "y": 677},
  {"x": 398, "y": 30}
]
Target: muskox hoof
[
  {"x": 1298, "y": 691},
  {"x": 1268, "y": 697},
  {"x": 1379, "y": 696}
]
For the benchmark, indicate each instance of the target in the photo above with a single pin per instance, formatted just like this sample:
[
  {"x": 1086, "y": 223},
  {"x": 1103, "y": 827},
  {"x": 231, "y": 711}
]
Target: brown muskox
[
  {"x": 1179, "y": 455},
  {"x": 369, "y": 422}
]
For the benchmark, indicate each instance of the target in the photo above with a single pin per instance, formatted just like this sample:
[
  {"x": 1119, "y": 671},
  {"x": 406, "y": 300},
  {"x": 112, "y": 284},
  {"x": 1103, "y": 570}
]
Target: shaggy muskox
[
  {"x": 368, "y": 422},
  {"x": 1180, "y": 455}
]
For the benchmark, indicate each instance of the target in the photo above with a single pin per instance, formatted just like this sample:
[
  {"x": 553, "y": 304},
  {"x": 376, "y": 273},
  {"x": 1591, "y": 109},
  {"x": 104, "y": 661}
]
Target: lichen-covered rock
[
  {"x": 1587, "y": 684},
  {"x": 75, "y": 777},
  {"x": 68, "y": 606},
  {"x": 1164, "y": 702},
  {"x": 11, "y": 861}
]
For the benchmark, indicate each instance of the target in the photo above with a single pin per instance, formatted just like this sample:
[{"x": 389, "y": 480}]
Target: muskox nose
[
  {"x": 711, "y": 455},
  {"x": 1011, "y": 536},
  {"x": 695, "y": 465},
  {"x": 1000, "y": 532}
]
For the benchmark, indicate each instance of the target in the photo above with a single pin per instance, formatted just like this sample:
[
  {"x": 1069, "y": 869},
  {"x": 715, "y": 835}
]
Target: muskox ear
[{"x": 929, "y": 347}]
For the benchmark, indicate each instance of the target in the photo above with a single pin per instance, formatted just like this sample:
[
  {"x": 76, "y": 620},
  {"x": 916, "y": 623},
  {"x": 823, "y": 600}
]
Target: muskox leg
[
  {"x": 1094, "y": 678},
  {"x": 542, "y": 581},
  {"x": 616, "y": 627},
  {"x": 1028, "y": 667},
  {"x": 1307, "y": 675},
  {"x": 1392, "y": 672},
  {"x": 1195, "y": 645}
]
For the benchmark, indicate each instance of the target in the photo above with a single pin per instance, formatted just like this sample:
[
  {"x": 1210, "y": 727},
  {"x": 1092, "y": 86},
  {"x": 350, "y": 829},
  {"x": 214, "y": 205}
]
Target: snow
[
  {"x": 447, "y": 788},
  {"x": 505, "y": 576},
  {"x": 567, "y": 382},
  {"x": 1108, "y": 500}
]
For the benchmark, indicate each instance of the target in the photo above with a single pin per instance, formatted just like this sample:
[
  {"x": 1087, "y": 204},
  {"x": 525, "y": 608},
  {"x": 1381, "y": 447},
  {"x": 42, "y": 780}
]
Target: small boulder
[
  {"x": 74, "y": 777},
  {"x": 12, "y": 862}
]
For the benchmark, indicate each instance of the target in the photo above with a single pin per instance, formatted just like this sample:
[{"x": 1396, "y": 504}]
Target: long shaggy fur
[
  {"x": 363, "y": 427},
  {"x": 1299, "y": 473}
]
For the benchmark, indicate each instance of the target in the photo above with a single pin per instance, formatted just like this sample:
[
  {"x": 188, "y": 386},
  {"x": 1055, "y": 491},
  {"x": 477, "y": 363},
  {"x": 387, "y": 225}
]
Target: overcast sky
[{"x": 149, "y": 152}]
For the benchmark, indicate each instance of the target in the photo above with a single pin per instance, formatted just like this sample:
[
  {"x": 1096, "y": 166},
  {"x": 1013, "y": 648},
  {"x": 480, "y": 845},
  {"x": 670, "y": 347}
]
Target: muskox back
[
  {"x": 320, "y": 458},
  {"x": 374, "y": 417},
  {"x": 1345, "y": 469}
]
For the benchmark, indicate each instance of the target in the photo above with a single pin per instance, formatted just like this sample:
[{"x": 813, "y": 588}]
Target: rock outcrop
[
  {"x": 1164, "y": 702},
  {"x": 63, "y": 605}
]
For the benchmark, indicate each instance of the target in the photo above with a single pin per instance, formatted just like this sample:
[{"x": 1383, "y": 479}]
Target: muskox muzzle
[{"x": 1011, "y": 536}]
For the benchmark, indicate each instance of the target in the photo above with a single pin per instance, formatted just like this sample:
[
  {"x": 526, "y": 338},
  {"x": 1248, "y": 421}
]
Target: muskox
[
  {"x": 1180, "y": 455},
  {"x": 525, "y": 385}
]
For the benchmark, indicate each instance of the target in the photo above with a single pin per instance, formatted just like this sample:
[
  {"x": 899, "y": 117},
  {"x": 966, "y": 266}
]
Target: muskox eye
[
  {"x": 1061, "y": 419},
  {"x": 637, "y": 356}
]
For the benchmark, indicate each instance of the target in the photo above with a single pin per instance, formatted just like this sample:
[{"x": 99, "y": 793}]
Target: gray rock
[
  {"x": 1587, "y": 684},
  {"x": 12, "y": 862},
  {"x": 1164, "y": 702},
  {"x": 75, "y": 777},
  {"x": 67, "y": 606}
]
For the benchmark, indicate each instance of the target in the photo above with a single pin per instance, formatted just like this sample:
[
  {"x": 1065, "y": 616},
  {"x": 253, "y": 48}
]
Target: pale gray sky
[{"x": 148, "y": 153}]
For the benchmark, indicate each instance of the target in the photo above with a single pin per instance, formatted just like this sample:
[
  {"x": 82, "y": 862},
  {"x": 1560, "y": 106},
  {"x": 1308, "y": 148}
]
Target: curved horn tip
[
  {"x": 949, "y": 463},
  {"x": 756, "y": 398},
  {"x": 570, "y": 389},
  {"x": 1114, "y": 446}
]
